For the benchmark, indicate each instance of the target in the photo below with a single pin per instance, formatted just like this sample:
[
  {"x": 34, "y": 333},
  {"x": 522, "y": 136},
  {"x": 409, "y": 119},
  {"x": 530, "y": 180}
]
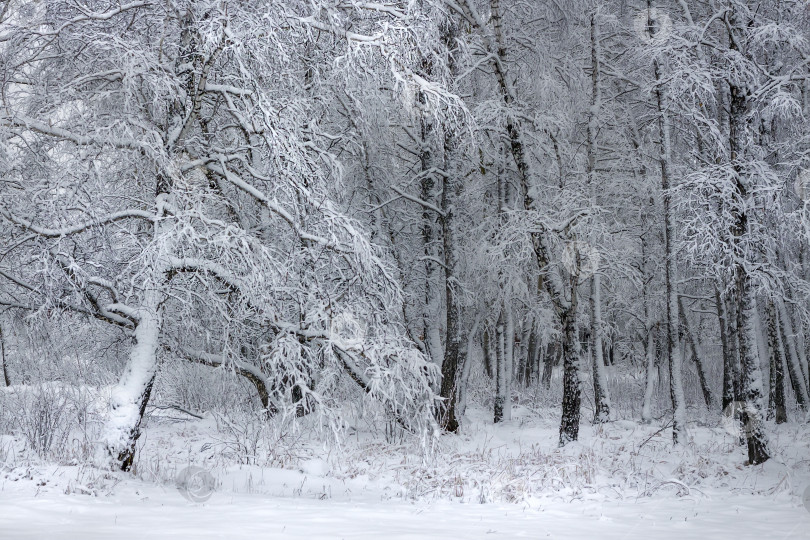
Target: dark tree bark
[
  {"x": 488, "y": 353},
  {"x": 3, "y": 355},
  {"x": 572, "y": 387},
  {"x": 791, "y": 356},
  {"x": 531, "y": 357},
  {"x": 500, "y": 375},
  {"x": 549, "y": 361},
  {"x": 692, "y": 340},
  {"x": 452, "y": 184},
  {"x": 751, "y": 377},
  {"x": 729, "y": 354},
  {"x": 674, "y": 353},
  {"x": 776, "y": 394}
]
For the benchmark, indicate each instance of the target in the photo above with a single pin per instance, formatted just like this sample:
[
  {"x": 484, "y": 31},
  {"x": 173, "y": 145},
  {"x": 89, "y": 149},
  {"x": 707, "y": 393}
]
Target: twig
[{"x": 176, "y": 408}]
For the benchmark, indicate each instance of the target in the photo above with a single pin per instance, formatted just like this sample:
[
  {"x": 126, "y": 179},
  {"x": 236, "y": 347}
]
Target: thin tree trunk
[
  {"x": 649, "y": 388},
  {"x": 500, "y": 369},
  {"x": 776, "y": 401},
  {"x": 600, "y": 388},
  {"x": 550, "y": 279},
  {"x": 729, "y": 360},
  {"x": 3, "y": 354},
  {"x": 548, "y": 365},
  {"x": 529, "y": 374},
  {"x": 522, "y": 362},
  {"x": 455, "y": 352},
  {"x": 674, "y": 357},
  {"x": 649, "y": 324},
  {"x": 692, "y": 340},
  {"x": 488, "y": 352},
  {"x": 509, "y": 355},
  {"x": 794, "y": 371},
  {"x": 432, "y": 301},
  {"x": 467, "y": 368},
  {"x": 801, "y": 345},
  {"x": 430, "y": 311}
]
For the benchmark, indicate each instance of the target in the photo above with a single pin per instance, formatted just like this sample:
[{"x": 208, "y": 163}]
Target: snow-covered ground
[
  {"x": 148, "y": 512},
  {"x": 621, "y": 481}
]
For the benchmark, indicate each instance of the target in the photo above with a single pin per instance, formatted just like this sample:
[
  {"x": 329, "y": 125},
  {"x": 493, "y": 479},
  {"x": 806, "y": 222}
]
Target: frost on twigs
[
  {"x": 580, "y": 259},
  {"x": 653, "y": 26},
  {"x": 732, "y": 422},
  {"x": 347, "y": 330}
]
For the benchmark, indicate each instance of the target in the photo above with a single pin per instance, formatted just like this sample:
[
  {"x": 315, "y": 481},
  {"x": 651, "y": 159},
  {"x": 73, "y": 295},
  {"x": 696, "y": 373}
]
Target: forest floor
[{"x": 621, "y": 481}]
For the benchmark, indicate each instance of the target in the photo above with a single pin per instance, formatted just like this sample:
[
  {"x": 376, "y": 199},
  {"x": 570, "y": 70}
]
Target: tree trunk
[
  {"x": 500, "y": 369},
  {"x": 776, "y": 401},
  {"x": 729, "y": 354},
  {"x": 548, "y": 274},
  {"x": 649, "y": 388},
  {"x": 3, "y": 355},
  {"x": 522, "y": 362},
  {"x": 751, "y": 376},
  {"x": 131, "y": 395},
  {"x": 572, "y": 386},
  {"x": 466, "y": 368},
  {"x": 530, "y": 371},
  {"x": 430, "y": 311},
  {"x": 455, "y": 351},
  {"x": 432, "y": 301},
  {"x": 600, "y": 388},
  {"x": 508, "y": 364},
  {"x": 801, "y": 345},
  {"x": 488, "y": 352},
  {"x": 794, "y": 371},
  {"x": 674, "y": 357},
  {"x": 692, "y": 340},
  {"x": 752, "y": 414},
  {"x": 649, "y": 323},
  {"x": 548, "y": 365}
]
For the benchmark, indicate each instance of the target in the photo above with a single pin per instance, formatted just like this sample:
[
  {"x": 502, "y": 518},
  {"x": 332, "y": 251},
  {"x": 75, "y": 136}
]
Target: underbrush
[
  {"x": 56, "y": 422},
  {"x": 362, "y": 452}
]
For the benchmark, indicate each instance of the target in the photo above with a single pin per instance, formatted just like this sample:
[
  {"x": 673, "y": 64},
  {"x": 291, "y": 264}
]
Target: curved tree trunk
[{"x": 131, "y": 395}]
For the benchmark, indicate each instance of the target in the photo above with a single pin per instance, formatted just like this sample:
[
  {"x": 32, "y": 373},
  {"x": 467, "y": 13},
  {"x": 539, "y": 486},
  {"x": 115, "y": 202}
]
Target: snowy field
[
  {"x": 140, "y": 511},
  {"x": 621, "y": 481}
]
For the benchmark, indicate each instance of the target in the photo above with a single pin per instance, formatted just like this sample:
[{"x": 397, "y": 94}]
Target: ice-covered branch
[{"x": 50, "y": 232}]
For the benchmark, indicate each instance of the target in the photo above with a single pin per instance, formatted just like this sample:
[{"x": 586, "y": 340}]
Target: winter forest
[{"x": 417, "y": 268}]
